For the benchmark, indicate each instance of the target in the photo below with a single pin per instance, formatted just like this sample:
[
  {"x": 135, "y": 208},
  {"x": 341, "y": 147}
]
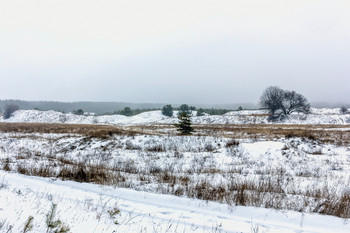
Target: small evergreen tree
[
  {"x": 167, "y": 110},
  {"x": 184, "y": 125}
]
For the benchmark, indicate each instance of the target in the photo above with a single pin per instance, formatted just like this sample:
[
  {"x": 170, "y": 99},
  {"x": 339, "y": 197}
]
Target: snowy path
[{"x": 83, "y": 207}]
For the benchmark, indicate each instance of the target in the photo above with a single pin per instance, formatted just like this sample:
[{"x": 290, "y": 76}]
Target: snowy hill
[{"x": 318, "y": 116}]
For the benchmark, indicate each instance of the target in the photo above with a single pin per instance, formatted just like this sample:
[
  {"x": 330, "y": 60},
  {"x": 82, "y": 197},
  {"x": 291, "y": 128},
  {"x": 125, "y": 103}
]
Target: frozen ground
[
  {"x": 91, "y": 208},
  {"x": 259, "y": 178},
  {"x": 318, "y": 116},
  {"x": 294, "y": 174}
]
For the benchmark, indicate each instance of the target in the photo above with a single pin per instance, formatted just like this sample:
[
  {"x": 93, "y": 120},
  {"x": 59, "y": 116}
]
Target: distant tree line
[
  {"x": 127, "y": 111},
  {"x": 280, "y": 103},
  {"x": 212, "y": 111},
  {"x": 107, "y": 108},
  {"x": 95, "y": 107},
  {"x": 168, "y": 110}
]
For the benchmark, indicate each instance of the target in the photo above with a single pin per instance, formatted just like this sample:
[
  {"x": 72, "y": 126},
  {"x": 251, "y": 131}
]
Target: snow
[
  {"x": 258, "y": 149},
  {"x": 300, "y": 165},
  {"x": 84, "y": 208},
  {"x": 318, "y": 116}
]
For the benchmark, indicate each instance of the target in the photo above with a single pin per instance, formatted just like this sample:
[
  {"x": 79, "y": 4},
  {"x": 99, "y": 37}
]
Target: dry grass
[
  {"x": 334, "y": 134},
  {"x": 232, "y": 143},
  {"x": 268, "y": 191},
  {"x": 99, "y": 131},
  {"x": 323, "y": 133}
]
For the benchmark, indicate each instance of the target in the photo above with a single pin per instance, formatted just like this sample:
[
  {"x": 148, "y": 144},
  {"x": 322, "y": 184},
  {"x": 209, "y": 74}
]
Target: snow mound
[{"x": 317, "y": 116}]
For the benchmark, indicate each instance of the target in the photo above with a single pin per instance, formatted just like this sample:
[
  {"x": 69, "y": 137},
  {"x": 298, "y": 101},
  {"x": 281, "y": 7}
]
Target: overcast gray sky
[{"x": 183, "y": 51}]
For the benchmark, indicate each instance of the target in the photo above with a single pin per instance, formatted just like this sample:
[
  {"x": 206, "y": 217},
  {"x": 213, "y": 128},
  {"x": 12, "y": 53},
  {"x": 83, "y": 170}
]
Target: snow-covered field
[
  {"x": 318, "y": 116},
  {"x": 229, "y": 181},
  {"x": 88, "y": 208}
]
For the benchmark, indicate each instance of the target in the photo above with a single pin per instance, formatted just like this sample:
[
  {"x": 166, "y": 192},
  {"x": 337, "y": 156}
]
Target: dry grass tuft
[{"x": 232, "y": 143}]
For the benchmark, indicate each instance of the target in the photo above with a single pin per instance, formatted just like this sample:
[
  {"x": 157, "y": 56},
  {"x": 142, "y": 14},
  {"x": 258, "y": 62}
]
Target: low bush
[{"x": 232, "y": 143}]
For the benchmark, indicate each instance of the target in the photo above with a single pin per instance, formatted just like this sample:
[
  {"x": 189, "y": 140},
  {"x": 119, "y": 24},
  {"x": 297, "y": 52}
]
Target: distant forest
[
  {"x": 113, "y": 107},
  {"x": 105, "y": 107},
  {"x": 96, "y": 107}
]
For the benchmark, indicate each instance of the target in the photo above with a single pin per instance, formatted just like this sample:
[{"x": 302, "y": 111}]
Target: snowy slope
[
  {"x": 87, "y": 208},
  {"x": 318, "y": 116}
]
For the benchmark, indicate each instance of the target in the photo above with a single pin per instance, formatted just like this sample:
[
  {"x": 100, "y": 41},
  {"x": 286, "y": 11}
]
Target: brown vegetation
[
  {"x": 324, "y": 133},
  {"x": 100, "y": 131}
]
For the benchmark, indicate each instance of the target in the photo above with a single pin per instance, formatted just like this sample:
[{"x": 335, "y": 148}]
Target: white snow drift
[
  {"x": 88, "y": 208},
  {"x": 318, "y": 116}
]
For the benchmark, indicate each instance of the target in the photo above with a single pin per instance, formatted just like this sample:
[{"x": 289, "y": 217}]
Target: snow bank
[
  {"x": 87, "y": 208},
  {"x": 318, "y": 116}
]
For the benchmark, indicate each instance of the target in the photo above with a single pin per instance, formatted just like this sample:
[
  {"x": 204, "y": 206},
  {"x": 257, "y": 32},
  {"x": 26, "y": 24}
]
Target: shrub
[
  {"x": 6, "y": 165},
  {"x": 9, "y": 109},
  {"x": 343, "y": 110},
  {"x": 167, "y": 110},
  {"x": 78, "y": 112},
  {"x": 232, "y": 143},
  {"x": 126, "y": 111},
  {"x": 113, "y": 212},
  {"x": 156, "y": 148}
]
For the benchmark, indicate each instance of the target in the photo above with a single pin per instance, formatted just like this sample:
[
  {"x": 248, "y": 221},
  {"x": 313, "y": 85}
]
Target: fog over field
[{"x": 196, "y": 51}]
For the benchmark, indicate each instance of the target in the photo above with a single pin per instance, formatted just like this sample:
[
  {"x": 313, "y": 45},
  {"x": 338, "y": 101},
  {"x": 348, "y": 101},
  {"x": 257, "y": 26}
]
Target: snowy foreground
[
  {"x": 163, "y": 179},
  {"x": 90, "y": 208},
  {"x": 318, "y": 116},
  {"x": 254, "y": 178}
]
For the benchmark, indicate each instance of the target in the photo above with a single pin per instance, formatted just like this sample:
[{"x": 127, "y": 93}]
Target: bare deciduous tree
[
  {"x": 281, "y": 102},
  {"x": 271, "y": 99},
  {"x": 294, "y": 102}
]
